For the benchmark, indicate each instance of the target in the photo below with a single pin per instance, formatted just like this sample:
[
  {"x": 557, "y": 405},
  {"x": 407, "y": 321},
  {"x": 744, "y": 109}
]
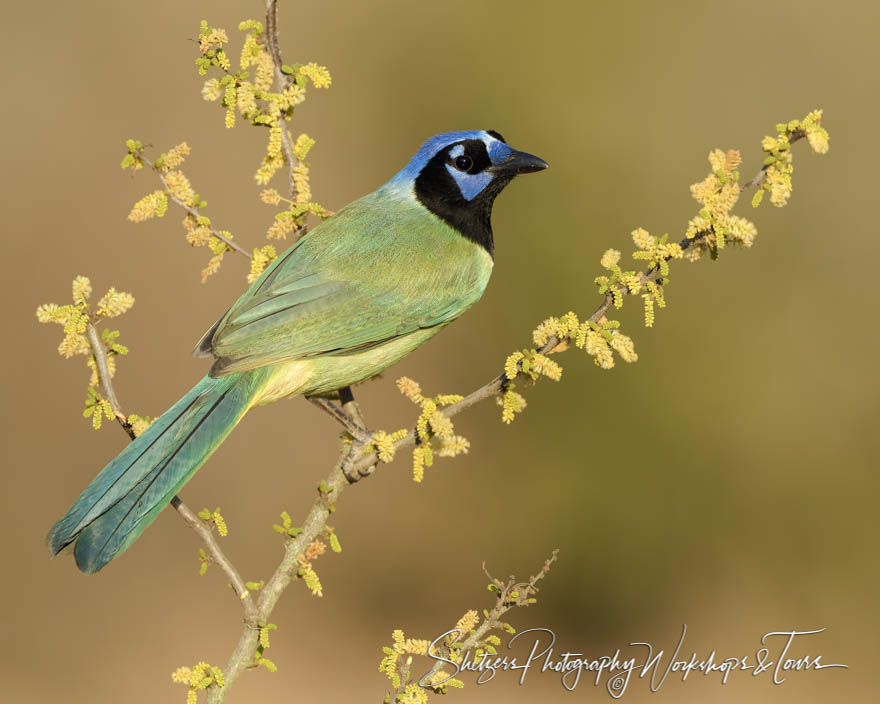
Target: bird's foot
[{"x": 351, "y": 474}]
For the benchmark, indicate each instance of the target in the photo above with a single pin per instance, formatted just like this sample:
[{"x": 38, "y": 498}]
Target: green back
[{"x": 381, "y": 268}]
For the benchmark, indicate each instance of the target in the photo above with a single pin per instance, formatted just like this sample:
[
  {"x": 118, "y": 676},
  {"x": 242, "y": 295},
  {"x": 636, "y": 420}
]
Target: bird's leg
[
  {"x": 350, "y": 417},
  {"x": 350, "y": 406},
  {"x": 355, "y": 429},
  {"x": 353, "y": 411}
]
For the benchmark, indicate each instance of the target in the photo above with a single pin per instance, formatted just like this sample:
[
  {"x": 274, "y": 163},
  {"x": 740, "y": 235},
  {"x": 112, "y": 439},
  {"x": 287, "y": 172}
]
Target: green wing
[{"x": 379, "y": 269}]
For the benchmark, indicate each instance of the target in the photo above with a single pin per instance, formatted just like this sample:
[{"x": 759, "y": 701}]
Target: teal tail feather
[{"x": 130, "y": 492}]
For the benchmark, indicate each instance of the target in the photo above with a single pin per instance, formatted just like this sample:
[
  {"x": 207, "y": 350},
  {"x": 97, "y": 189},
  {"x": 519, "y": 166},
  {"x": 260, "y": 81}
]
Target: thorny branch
[
  {"x": 281, "y": 83},
  {"x": 511, "y": 594},
  {"x": 194, "y": 211}
]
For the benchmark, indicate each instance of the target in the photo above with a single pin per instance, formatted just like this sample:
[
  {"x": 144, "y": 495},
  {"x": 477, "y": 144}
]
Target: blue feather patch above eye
[
  {"x": 470, "y": 185},
  {"x": 498, "y": 151},
  {"x": 457, "y": 150}
]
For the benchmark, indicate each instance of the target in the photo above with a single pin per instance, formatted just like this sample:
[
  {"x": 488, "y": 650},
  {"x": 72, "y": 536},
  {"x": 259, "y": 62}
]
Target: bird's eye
[{"x": 463, "y": 163}]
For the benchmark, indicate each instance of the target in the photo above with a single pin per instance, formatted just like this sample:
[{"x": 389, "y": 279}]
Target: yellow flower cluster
[
  {"x": 409, "y": 388},
  {"x": 230, "y": 101},
  {"x": 268, "y": 168},
  {"x": 198, "y": 232},
  {"x": 719, "y": 191},
  {"x": 421, "y": 459},
  {"x": 220, "y": 522},
  {"x": 97, "y": 408},
  {"x": 778, "y": 163},
  {"x": 198, "y": 228},
  {"x": 301, "y": 183},
  {"x": 212, "y": 89},
  {"x": 246, "y": 101},
  {"x": 281, "y": 226},
  {"x": 263, "y": 256},
  {"x": 308, "y": 575},
  {"x": 265, "y": 662},
  {"x": 624, "y": 346},
  {"x": 400, "y": 645},
  {"x": 448, "y": 681},
  {"x": 657, "y": 251},
  {"x": 384, "y": 444},
  {"x": 264, "y": 634},
  {"x": 211, "y": 37},
  {"x": 511, "y": 403},
  {"x": 817, "y": 135},
  {"x": 212, "y": 267},
  {"x": 618, "y": 282},
  {"x": 197, "y": 678},
  {"x": 264, "y": 71},
  {"x": 533, "y": 364},
  {"x": 717, "y": 194},
  {"x": 335, "y": 545},
  {"x": 75, "y": 318},
  {"x": 82, "y": 290},
  {"x": 216, "y": 518},
  {"x": 173, "y": 158},
  {"x": 388, "y": 664},
  {"x": 610, "y": 259},
  {"x": 270, "y": 196},
  {"x": 597, "y": 347},
  {"x": 453, "y": 446},
  {"x": 468, "y": 622},
  {"x": 558, "y": 328},
  {"x": 303, "y": 146},
  {"x": 180, "y": 187},
  {"x": 139, "y": 423},
  {"x": 319, "y": 75},
  {"x": 114, "y": 303},
  {"x": 152, "y": 205},
  {"x": 259, "y": 102},
  {"x": 250, "y": 50},
  {"x": 434, "y": 429},
  {"x": 599, "y": 340}
]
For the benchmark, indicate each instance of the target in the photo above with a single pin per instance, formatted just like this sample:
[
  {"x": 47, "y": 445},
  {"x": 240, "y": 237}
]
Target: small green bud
[{"x": 757, "y": 198}]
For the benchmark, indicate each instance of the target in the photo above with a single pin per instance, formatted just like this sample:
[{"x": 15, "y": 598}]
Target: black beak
[{"x": 521, "y": 163}]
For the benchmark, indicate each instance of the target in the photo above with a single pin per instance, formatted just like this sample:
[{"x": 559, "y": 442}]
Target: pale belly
[{"x": 321, "y": 375}]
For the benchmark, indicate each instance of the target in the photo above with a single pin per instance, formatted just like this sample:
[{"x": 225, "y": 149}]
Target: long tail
[{"x": 129, "y": 492}]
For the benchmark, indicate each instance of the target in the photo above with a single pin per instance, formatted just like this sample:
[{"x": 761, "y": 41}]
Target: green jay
[{"x": 352, "y": 297}]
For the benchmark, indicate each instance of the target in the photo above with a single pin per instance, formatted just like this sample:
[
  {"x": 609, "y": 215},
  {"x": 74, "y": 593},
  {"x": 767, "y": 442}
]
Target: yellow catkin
[{"x": 319, "y": 74}]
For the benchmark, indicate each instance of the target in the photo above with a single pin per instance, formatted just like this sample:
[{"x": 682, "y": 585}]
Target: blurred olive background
[{"x": 725, "y": 481}]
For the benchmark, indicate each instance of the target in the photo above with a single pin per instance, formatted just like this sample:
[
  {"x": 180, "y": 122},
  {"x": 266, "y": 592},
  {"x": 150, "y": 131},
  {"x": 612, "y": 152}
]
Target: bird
[{"x": 350, "y": 298}]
